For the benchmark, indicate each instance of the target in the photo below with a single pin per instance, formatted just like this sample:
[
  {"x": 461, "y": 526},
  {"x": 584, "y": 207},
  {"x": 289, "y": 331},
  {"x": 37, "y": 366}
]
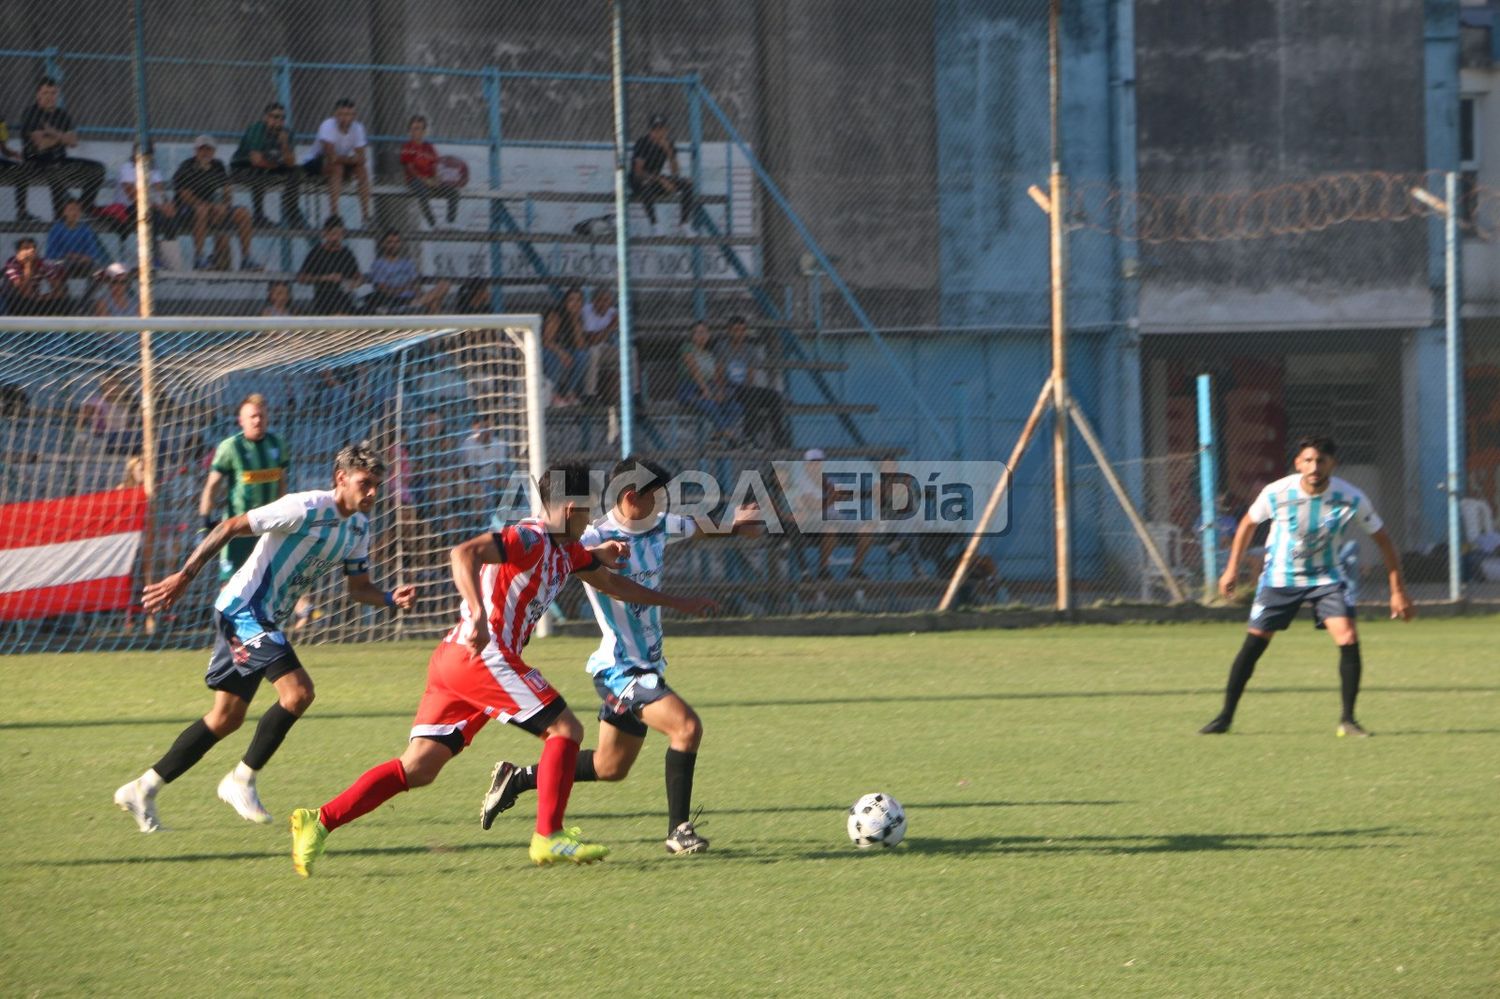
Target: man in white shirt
[
  {"x": 341, "y": 151},
  {"x": 601, "y": 327},
  {"x": 163, "y": 209}
]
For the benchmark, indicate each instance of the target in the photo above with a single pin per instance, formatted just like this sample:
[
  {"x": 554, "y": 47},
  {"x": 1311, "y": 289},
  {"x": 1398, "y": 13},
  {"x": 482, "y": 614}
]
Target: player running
[
  {"x": 507, "y": 580},
  {"x": 302, "y": 536},
  {"x": 1309, "y": 513},
  {"x": 628, "y": 665}
]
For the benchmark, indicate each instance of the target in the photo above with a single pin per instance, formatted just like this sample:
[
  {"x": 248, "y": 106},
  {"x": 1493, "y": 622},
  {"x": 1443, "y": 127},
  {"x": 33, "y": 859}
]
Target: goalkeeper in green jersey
[{"x": 254, "y": 464}]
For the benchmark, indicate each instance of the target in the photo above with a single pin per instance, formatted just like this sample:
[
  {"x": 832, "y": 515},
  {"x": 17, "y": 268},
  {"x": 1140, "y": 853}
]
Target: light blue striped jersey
[
  {"x": 1307, "y": 531},
  {"x": 632, "y": 632},
  {"x": 302, "y": 537}
]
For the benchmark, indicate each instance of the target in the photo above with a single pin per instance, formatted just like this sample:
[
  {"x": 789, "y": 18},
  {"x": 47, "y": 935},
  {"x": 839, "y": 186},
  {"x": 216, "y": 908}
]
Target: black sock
[
  {"x": 526, "y": 778},
  {"x": 189, "y": 748},
  {"x": 1349, "y": 671},
  {"x": 273, "y": 727},
  {"x": 679, "y": 787},
  {"x": 1241, "y": 671},
  {"x": 583, "y": 770}
]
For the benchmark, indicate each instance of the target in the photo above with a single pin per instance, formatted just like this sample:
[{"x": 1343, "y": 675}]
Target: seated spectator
[
  {"x": 341, "y": 151},
  {"x": 398, "y": 286},
  {"x": 202, "y": 186},
  {"x": 751, "y": 386},
  {"x": 72, "y": 242},
  {"x": 702, "y": 388},
  {"x": 419, "y": 161},
  {"x": 10, "y": 163},
  {"x": 821, "y": 501},
  {"x": 278, "y": 299},
  {"x": 333, "y": 272},
  {"x": 653, "y": 152},
  {"x": 117, "y": 299},
  {"x": 601, "y": 327},
  {"x": 33, "y": 286},
  {"x": 264, "y": 160},
  {"x": 46, "y": 136},
  {"x": 163, "y": 211},
  {"x": 565, "y": 348}
]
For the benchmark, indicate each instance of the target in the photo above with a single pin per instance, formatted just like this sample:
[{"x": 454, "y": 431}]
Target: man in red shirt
[
  {"x": 419, "y": 159},
  {"x": 507, "y": 580}
]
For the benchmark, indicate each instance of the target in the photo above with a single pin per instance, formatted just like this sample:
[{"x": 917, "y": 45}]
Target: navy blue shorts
[
  {"x": 236, "y": 665},
  {"x": 625, "y": 693},
  {"x": 1276, "y": 607}
]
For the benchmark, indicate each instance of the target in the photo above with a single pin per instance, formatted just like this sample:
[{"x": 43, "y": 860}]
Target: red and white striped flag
[{"x": 70, "y": 555}]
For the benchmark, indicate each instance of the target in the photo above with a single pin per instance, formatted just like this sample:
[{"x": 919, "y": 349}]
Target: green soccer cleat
[
  {"x": 308, "y": 839},
  {"x": 565, "y": 844}
]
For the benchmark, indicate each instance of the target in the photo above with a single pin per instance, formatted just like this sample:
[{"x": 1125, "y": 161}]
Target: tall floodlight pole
[
  {"x": 1059, "y": 255},
  {"x": 622, "y": 233}
]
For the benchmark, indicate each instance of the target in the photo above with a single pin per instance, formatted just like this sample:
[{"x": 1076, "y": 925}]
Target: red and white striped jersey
[{"x": 518, "y": 590}]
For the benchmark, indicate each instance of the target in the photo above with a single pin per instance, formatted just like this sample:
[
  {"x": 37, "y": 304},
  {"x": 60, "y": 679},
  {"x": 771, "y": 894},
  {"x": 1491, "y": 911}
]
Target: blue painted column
[
  {"x": 492, "y": 112},
  {"x": 1208, "y": 481}
]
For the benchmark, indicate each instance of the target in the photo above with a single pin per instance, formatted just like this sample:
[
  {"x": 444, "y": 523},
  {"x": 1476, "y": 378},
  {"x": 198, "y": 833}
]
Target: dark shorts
[
  {"x": 625, "y": 693},
  {"x": 236, "y": 666},
  {"x": 1276, "y": 607}
]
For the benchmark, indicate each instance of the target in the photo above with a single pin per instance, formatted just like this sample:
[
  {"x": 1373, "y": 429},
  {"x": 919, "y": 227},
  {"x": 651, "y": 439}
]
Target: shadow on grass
[
  {"x": 437, "y": 849},
  {"x": 1320, "y": 839},
  {"x": 1211, "y": 693},
  {"x": 834, "y": 807}
]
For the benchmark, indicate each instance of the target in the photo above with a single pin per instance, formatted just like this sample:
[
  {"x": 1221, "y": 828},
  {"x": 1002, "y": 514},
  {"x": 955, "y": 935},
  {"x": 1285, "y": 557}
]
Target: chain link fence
[{"x": 835, "y": 244}]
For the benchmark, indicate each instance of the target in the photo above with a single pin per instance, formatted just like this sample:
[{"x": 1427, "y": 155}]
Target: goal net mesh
[{"x": 447, "y": 407}]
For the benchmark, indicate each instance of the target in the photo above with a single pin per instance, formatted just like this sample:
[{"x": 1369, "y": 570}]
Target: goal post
[{"x": 455, "y": 404}]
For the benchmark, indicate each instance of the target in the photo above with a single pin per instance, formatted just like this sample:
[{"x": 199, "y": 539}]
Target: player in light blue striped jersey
[
  {"x": 629, "y": 665},
  {"x": 1310, "y": 513},
  {"x": 301, "y": 537}
]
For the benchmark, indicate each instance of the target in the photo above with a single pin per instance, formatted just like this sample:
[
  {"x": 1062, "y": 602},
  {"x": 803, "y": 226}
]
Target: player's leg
[
  {"x": 675, "y": 718},
  {"x": 333, "y": 173},
  {"x": 553, "y": 841},
  {"x": 362, "y": 183},
  {"x": 294, "y": 695},
  {"x": 1273, "y": 610},
  {"x": 1335, "y": 612}
]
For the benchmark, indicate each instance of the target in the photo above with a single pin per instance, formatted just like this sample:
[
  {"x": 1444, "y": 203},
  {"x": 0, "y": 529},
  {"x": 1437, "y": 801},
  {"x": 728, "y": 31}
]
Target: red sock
[
  {"x": 554, "y": 782},
  {"x": 373, "y": 788}
]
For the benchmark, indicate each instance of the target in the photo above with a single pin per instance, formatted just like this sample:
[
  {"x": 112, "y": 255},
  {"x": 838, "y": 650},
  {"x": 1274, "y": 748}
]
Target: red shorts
[{"x": 465, "y": 691}]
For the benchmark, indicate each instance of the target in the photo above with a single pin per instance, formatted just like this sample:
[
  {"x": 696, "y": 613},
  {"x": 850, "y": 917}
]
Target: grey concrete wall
[{"x": 1244, "y": 94}]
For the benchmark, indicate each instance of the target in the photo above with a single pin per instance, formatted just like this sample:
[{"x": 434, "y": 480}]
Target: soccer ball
[{"x": 876, "y": 820}]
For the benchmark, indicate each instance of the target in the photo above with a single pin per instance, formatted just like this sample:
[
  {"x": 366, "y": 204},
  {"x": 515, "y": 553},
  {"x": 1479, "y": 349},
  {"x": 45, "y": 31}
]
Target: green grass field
[{"x": 1069, "y": 833}]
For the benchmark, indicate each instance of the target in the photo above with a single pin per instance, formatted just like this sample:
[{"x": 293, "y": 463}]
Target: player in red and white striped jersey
[{"x": 507, "y": 581}]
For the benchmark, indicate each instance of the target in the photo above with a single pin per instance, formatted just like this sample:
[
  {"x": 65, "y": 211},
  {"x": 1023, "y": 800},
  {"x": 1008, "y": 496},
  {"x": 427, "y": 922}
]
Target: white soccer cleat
[
  {"x": 140, "y": 804},
  {"x": 240, "y": 795}
]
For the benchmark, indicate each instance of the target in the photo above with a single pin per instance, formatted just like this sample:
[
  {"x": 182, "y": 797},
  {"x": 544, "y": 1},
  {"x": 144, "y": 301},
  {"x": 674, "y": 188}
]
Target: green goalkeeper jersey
[{"x": 255, "y": 470}]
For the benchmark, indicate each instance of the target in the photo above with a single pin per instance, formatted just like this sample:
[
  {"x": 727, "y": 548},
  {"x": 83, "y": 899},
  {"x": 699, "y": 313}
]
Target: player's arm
[
  {"x": 208, "y": 499},
  {"x": 611, "y": 554},
  {"x": 1242, "y": 535},
  {"x": 632, "y": 592},
  {"x": 466, "y": 560},
  {"x": 1401, "y": 606},
  {"x": 363, "y": 590},
  {"x": 160, "y": 595},
  {"x": 748, "y": 522}
]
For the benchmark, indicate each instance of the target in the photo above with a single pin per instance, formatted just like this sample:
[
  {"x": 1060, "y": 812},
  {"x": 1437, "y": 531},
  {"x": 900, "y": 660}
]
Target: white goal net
[{"x": 96, "y": 500}]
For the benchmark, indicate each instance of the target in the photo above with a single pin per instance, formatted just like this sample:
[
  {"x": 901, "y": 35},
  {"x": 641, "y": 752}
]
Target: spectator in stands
[
  {"x": 333, "y": 272},
  {"x": 398, "y": 286},
  {"x": 47, "y": 134},
  {"x": 113, "y": 416},
  {"x": 601, "y": 327},
  {"x": 654, "y": 152},
  {"x": 341, "y": 151},
  {"x": 565, "y": 348},
  {"x": 278, "y": 299},
  {"x": 33, "y": 286},
  {"x": 419, "y": 162},
  {"x": 10, "y": 163},
  {"x": 702, "y": 387},
  {"x": 163, "y": 210},
  {"x": 117, "y": 299},
  {"x": 72, "y": 243},
  {"x": 485, "y": 457},
  {"x": 752, "y": 386},
  {"x": 264, "y": 160},
  {"x": 474, "y": 298},
  {"x": 822, "y": 500},
  {"x": 202, "y": 186}
]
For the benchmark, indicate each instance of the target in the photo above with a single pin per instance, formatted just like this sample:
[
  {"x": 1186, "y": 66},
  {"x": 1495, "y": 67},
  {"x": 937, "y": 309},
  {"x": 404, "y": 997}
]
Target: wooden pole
[{"x": 1062, "y": 532}]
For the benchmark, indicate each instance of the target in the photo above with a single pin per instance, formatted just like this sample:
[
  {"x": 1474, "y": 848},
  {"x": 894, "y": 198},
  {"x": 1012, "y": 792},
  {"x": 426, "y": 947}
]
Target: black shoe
[
  {"x": 501, "y": 795},
  {"x": 1218, "y": 726},
  {"x": 685, "y": 839}
]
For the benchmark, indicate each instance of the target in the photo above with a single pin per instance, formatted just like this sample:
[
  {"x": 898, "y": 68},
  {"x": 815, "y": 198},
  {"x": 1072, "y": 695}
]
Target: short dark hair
[
  {"x": 333, "y": 222},
  {"x": 386, "y": 234},
  {"x": 45, "y": 81},
  {"x": 737, "y": 320},
  {"x": 273, "y": 106},
  {"x": 564, "y": 483},
  {"x": 343, "y": 102},
  {"x": 1320, "y": 443},
  {"x": 639, "y": 474},
  {"x": 416, "y": 118},
  {"x": 361, "y": 457},
  {"x": 23, "y": 241}
]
